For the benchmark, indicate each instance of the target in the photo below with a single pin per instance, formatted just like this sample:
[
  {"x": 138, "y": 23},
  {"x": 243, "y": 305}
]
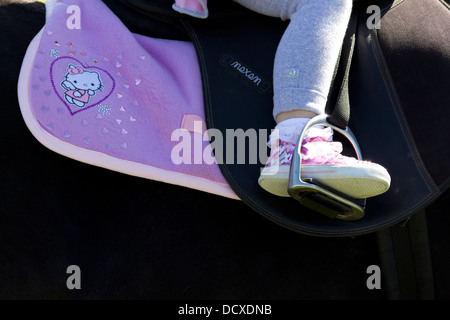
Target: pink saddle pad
[{"x": 93, "y": 91}]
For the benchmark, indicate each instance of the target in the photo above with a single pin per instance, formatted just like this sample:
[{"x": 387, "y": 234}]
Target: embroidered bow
[{"x": 76, "y": 70}]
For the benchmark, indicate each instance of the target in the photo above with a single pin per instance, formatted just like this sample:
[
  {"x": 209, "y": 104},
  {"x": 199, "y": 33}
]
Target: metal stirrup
[{"x": 315, "y": 197}]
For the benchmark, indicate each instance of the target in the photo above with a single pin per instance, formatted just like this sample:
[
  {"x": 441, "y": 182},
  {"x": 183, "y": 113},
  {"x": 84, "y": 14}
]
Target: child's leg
[
  {"x": 307, "y": 53},
  {"x": 304, "y": 64}
]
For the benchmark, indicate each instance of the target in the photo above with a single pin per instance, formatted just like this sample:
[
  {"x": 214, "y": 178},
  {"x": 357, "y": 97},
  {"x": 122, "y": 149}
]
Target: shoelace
[{"x": 315, "y": 150}]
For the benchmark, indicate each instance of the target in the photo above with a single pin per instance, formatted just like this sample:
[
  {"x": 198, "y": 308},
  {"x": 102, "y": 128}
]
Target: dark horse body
[{"x": 141, "y": 239}]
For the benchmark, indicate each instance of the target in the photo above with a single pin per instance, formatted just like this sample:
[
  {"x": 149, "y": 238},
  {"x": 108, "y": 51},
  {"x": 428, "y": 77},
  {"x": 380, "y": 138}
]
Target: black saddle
[{"x": 397, "y": 96}]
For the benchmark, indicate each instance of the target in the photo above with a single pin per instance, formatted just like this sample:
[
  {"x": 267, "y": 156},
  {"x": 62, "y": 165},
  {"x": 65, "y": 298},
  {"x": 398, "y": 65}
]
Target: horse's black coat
[{"x": 134, "y": 238}]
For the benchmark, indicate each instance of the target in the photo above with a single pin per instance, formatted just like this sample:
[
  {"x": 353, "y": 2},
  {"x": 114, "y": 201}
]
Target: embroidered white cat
[{"x": 80, "y": 85}]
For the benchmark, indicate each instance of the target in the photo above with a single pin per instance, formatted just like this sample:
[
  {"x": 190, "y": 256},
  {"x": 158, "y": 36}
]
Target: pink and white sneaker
[{"x": 323, "y": 163}]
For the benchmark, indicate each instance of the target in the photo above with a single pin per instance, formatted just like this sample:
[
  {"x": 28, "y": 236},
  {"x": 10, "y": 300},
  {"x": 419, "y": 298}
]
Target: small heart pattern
[{"x": 80, "y": 96}]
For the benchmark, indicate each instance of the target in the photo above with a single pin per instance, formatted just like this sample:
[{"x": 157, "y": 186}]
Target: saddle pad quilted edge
[{"x": 126, "y": 121}]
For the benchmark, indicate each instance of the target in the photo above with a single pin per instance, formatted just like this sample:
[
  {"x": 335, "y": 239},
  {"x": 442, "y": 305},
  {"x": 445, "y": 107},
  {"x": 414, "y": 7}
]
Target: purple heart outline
[{"x": 87, "y": 68}]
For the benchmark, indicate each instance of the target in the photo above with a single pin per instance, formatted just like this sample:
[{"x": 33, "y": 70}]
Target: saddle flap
[{"x": 233, "y": 102}]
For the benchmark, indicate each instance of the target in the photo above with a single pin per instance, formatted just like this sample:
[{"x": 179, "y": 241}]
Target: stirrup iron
[{"x": 315, "y": 197}]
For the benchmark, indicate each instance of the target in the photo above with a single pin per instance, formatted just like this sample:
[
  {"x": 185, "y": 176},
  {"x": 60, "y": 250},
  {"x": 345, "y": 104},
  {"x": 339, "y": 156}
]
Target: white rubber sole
[{"x": 358, "y": 181}]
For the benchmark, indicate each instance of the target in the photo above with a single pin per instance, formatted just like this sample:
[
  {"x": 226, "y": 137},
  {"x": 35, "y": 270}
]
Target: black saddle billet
[{"x": 385, "y": 107}]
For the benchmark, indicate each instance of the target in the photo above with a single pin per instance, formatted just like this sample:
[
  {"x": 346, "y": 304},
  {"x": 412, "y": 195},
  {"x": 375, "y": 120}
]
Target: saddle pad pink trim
[
  {"x": 104, "y": 96},
  {"x": 195, "y": 8}
]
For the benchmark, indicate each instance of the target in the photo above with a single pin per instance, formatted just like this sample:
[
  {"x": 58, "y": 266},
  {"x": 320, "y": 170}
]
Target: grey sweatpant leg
[{"x": 308, "y": 51}]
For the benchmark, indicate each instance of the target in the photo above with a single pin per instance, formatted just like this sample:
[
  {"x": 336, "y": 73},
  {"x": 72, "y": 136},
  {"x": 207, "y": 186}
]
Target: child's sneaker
[{"x": 323, "y": 163}]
